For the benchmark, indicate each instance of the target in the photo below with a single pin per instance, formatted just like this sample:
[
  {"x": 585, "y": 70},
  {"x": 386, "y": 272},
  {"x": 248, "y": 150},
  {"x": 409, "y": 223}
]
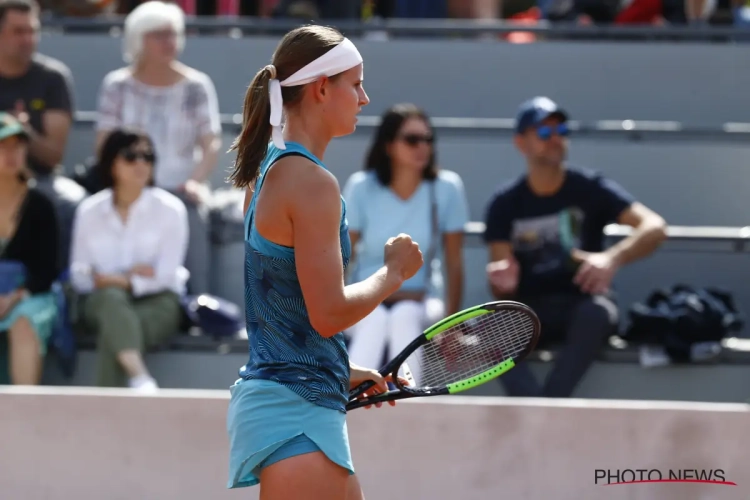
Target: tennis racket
[{"x": 460, "y": 352}]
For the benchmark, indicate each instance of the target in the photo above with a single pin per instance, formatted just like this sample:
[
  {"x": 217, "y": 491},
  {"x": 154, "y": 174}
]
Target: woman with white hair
[{"x": 176, "y": 105}]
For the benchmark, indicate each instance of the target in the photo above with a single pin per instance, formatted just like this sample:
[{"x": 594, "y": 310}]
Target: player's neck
[
  {"x": 545, "y": 180},
  {"x": 307, "y": 132}
]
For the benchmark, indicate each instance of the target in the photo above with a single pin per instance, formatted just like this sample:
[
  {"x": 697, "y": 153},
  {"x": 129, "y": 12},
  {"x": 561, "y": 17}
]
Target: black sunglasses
[
  {"x": 415, "y": 139},
  {"x": 545, "y": 131},
  {"x": 131, "y": 156}
]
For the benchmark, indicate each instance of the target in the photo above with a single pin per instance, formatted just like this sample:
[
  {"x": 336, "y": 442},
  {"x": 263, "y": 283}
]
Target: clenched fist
[{"x": 402, "y": 255}]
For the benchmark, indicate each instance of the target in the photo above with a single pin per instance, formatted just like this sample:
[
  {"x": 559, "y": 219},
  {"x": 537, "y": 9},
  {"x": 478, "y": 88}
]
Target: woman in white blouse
[
  {"x": 129, "y": 243},
  {"x": 177, "y": 106}
]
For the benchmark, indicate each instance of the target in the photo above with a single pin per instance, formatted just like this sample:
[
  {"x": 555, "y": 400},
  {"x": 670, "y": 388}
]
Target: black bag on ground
[{"x": 678, "y": 318}]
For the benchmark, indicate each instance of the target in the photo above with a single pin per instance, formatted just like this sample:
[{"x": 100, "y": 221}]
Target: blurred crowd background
[{"x": 621, "y": 12}]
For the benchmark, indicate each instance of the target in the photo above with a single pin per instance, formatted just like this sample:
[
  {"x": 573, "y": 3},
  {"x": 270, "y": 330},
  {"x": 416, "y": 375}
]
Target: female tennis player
[{"x": 287, "y": 416}]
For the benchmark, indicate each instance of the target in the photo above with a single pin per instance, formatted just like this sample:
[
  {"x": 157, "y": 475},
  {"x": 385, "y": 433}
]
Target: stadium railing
[
  {"x": 740, "y": 236},
  {"x": 631, "y": 128}
]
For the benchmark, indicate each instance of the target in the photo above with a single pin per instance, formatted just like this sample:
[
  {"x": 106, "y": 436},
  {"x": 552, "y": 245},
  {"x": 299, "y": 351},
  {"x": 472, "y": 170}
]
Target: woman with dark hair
[
  {"x": 129, "y": 244},
  {"x": 28, "y": 259},
  {"x": 402, "y": 191},
  {"x": 286, "y": 420}
]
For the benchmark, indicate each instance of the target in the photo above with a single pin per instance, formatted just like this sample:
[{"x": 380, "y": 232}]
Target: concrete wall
[
  {"x": 80, "y": 444},
  {"x": 724, "y": 382},
  {"x": 596, "y": 80}
]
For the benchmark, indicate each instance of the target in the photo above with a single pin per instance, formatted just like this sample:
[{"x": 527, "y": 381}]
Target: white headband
[{"x": 342, "y": 57}]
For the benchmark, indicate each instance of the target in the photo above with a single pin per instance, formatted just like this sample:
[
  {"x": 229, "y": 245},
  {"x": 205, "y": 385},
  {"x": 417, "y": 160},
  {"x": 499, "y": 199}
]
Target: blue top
[
  {"x": 284, "y": 347},
  {"x": 377, "y": 213},
  {"x": 544, "y": 229}
]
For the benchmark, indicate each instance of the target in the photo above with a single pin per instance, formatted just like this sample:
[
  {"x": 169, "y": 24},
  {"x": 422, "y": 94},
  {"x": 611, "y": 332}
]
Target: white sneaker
[{"x": 143, "y": 384}]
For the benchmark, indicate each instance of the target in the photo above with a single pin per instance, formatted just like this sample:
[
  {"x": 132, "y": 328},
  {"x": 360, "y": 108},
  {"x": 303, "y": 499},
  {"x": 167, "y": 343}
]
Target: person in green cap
[{"x": 28, "y": 260}]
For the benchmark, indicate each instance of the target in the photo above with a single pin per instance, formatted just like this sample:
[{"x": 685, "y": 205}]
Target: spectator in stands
[
  {"x": 37, "y": 90},
  {"x": 545, "y": 236},
  {"x": 584, "y": 12},
  {"x": 402, "y": 191},
  {"x": 665, "y": 11},
  {"x": 28, "y": 258},
  {"x": 79, "y": 8},
  {"x": 129, "y": 242},
  {"x": 177, "y": 106},
  {"x": 657, "y": 12},
  {"x": 476, "y": 9}
]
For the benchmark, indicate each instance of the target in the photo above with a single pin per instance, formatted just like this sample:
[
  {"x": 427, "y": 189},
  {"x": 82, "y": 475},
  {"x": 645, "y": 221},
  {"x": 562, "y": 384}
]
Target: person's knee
[
  {"x": 599, "y": 310},
  {"x": 101, "y": 304},
  {"x": 23, "y": 332}
]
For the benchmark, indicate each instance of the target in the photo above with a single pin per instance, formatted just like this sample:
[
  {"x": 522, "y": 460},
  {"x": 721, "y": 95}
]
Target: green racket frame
[{"x": 404, "y": 391}]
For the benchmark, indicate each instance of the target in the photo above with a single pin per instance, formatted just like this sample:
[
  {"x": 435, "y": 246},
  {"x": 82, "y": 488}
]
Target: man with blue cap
[{"x": 544, "y": 231}]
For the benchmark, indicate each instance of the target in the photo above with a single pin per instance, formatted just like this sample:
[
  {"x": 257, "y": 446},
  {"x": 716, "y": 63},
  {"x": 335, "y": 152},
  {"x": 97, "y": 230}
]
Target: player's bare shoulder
[{"x": 304, "y": 180}]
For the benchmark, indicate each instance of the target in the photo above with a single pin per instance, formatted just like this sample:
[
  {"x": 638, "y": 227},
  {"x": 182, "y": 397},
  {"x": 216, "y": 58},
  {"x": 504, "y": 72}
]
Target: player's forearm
[{"x": 358, "y": 300}]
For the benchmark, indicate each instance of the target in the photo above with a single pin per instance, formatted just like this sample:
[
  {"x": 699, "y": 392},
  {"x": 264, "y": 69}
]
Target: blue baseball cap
[{"x": 534, "y": 111}]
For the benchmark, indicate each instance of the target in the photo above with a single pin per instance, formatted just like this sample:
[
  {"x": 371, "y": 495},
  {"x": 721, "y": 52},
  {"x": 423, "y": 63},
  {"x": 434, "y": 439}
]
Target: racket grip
[{"x": 361, "y": 388}]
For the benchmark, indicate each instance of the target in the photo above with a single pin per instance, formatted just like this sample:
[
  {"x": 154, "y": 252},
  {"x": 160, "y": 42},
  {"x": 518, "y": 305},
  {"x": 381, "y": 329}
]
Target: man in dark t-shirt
[
  {"x": 545, "y": 236},
  {"x": 37, "y": 90},
  {"x": 42, "y": 96}
]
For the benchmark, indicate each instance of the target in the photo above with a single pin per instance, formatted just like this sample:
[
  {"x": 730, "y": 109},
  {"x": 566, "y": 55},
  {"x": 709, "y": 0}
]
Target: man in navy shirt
[{"x": 545, "y": 236}]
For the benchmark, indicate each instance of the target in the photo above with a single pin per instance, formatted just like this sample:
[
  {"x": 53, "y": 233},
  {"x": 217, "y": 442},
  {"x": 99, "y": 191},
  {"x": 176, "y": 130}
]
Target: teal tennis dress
[{"x": 291, "y": 396}]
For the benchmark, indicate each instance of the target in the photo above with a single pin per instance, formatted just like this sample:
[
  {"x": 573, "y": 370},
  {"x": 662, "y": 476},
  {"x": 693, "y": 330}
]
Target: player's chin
[{"x": 347, "y": 130}]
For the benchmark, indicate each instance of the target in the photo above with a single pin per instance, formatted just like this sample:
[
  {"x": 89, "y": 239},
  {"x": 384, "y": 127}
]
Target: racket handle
[
  {"x": 379, "y": 398},
  {"x": 361, "y": 388}
]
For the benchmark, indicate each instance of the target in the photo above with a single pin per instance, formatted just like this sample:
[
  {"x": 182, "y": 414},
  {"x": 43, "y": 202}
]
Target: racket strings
[{"x": 471, "y": 347}]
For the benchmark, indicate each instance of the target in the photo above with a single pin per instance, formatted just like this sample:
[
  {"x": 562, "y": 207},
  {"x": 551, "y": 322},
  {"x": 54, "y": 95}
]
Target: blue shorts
[
  {"x": 267, "y": 423},
  {"x": 296, "y": 446}
]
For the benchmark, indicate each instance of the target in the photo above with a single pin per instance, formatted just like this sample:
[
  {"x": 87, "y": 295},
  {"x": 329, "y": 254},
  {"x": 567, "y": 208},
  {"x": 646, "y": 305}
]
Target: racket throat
[{"x": 408, "y": 375}]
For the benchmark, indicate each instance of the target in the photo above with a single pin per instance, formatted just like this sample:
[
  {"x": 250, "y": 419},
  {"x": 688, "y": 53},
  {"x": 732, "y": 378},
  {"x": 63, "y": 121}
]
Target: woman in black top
[{"x": 28, "y": 259}]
